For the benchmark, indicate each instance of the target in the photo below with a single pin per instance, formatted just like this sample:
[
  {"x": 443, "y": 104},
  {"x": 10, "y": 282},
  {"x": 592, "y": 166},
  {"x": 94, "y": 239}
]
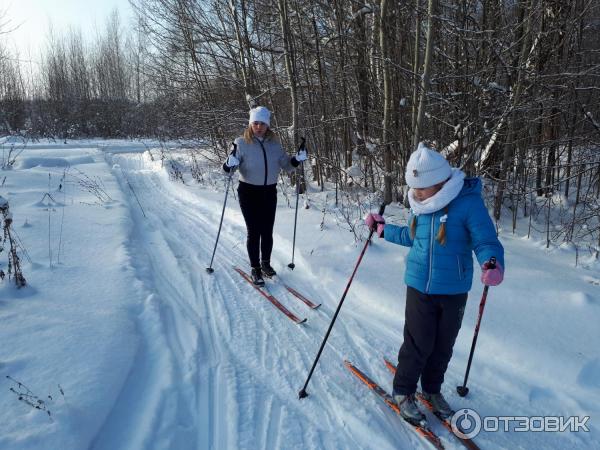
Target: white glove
[
  {"x": 301, "y": 156},
  {"x": 232, "y": 161}
]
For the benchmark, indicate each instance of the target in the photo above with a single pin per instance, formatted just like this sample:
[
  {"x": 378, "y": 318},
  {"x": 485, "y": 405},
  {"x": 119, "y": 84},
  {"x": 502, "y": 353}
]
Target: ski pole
[
  {"x": 303, "y": 393},
  {"x": 209, "y": 269},
  {"x": 464, "y": 390},
  {"x": 302, "y": 147}
]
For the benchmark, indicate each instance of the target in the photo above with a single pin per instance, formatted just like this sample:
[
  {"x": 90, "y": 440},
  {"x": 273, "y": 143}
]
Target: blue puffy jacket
[{"x": 433, "y": 268}]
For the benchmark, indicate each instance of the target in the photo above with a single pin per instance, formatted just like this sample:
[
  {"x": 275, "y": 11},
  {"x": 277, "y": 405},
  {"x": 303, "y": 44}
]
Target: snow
[
  {"x": 152, "y": 352},
  {"x": 28, "y": 163}
]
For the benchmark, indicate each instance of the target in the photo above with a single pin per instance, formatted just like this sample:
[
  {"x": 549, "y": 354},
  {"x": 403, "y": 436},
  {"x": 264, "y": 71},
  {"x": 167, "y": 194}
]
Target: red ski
[
  {"x": 301, "y": 297},
  {"x": 294, "y": 292},
  {"x": 269, "y": 297},
  {"x": 468, "y": 443},
  {"x": 422, "y": 430}
]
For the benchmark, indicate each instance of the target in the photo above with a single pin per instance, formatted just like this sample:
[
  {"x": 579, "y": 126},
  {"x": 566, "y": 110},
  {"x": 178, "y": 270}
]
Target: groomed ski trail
[{"x": 219, "y": 367}]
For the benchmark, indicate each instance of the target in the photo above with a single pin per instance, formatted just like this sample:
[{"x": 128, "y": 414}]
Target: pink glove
[
  {"x": 491, "y": 277},
  {"x": 376, "y": 223}
]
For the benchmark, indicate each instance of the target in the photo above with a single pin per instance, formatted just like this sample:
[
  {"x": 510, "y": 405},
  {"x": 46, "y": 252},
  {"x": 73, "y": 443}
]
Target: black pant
[
  {"x": 258, "y": 205},
  {"x": 431, "y": 325}
]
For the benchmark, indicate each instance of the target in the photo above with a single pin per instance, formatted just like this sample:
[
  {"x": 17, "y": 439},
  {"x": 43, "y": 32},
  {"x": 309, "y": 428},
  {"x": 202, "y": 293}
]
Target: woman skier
[{"x": 260, "y": 157}]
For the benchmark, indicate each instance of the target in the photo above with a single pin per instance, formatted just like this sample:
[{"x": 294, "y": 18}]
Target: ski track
[
  {"x": 228, "y": 355},
  {"x": 219, "y": 359}
]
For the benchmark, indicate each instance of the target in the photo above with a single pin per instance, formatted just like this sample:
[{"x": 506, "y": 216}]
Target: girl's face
[
  {"x": 422, "y": 194},
  {"x": 259, "y": 129}
]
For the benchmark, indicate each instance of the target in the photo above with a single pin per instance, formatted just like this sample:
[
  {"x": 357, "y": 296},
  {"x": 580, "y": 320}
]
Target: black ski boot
[
  {"x": 257, "y": 278},
  {"x": 267, "y": 269},
  {"x": 409, "y": 409},
  {"x": 439, "y": 405}
]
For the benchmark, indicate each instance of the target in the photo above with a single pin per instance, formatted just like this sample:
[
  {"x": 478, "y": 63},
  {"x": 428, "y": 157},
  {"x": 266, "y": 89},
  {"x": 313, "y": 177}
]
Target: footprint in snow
[
  {"x": 542, "y": 397},
  {"x": 582, "y": 299},
  {"x": 589, "y": 375}
]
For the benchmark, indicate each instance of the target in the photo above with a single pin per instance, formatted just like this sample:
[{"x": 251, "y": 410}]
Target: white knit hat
[
  {"x": 260, "y": 114},
  {"x": 426, "y": 168}
]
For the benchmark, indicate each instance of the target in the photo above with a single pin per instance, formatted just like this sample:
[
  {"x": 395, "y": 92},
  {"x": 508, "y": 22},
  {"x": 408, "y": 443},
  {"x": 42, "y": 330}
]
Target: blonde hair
[
  {"x": 249, "y": 135},
  {"x": 441, "y": 235}
]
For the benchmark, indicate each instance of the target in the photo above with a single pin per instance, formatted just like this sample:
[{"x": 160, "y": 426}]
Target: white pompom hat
[
  {"x": 426, "y": 167},
  {"x": 260, "y": 114}
]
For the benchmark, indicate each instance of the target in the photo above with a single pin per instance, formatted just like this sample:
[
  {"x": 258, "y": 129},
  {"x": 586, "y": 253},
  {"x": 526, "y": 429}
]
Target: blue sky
[{"x": 34, "y": 17}]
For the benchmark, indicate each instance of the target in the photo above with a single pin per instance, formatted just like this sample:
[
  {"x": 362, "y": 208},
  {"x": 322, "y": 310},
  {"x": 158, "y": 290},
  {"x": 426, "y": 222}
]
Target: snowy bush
[{"x": 14, "y": 264}]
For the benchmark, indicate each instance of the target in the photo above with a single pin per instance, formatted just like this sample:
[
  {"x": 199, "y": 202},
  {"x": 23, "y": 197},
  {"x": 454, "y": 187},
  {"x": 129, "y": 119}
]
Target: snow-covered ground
[{"x": 140, "y": 348}]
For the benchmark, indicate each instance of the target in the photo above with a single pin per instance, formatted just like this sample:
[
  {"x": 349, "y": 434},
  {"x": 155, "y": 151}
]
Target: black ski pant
[
  {"x": 258, "y": 205},
  {"x": 431, "y": 325}
]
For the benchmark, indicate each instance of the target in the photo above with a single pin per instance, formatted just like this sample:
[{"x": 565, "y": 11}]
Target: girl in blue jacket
[{"x": 448, "y": 222}]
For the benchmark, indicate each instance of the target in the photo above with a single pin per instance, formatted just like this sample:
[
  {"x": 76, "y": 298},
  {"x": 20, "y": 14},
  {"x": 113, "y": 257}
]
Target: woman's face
[
  {"x": 259, "y": 129},
  {"x": 422, "y": 194}
]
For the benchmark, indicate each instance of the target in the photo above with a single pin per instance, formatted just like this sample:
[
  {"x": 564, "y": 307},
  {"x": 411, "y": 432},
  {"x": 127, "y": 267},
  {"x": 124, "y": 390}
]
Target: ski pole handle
[
  {"x": 492, "y": 263},
  {"x": 381, "y": 211},
  {"x": 302, "y": 145},
  {"x": 233, "y": 152}
]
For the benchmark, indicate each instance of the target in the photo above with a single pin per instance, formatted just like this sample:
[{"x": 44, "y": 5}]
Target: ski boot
[
  {"x": 439, "y": 405},
  {"x": 267, "y": 269},
  {"x": 409, "y": 409},
  {"x": 257, "y": 278}
]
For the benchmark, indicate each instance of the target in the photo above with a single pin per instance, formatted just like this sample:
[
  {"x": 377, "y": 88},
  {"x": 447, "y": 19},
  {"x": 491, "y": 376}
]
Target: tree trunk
[
  {"x": 290, "y": 67},
  {"x": 244, "y": 57},
  {"x": 416, "y": 63},
  {"x": 425, "y": 79},
  {"x": 507, "y": 157},
  {"x": 387, "y": 99}
]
